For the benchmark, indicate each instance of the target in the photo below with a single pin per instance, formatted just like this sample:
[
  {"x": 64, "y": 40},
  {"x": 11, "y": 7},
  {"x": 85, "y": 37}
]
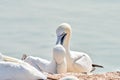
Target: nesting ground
[{"x": 104, "y": 76}]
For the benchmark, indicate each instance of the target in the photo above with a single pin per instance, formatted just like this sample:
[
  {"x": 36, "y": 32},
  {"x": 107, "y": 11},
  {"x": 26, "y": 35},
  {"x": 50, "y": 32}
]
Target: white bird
[
  {"x": 57, "y": 65},
  {"x": 15, "y": 69},
  {"x": 76, "y": 61},
  {"x": 59, "y": 57}
]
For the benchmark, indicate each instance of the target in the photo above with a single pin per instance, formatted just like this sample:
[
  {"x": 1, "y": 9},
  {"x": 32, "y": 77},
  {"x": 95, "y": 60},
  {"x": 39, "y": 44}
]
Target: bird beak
[{"x": 60, "y": 39}]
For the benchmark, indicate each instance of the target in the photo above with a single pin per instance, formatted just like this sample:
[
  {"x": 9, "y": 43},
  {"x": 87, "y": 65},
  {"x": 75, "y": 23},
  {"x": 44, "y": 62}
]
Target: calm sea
[{"x": 28, "y": 27}]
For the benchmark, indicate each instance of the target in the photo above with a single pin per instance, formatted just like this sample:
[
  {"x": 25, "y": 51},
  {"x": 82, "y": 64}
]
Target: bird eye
[{"x": 63, "y": 34}]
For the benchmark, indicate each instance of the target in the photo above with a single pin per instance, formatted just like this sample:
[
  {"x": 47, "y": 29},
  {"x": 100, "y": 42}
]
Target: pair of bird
[
  {"x": 15, "y": 69},
  {"x": 63, "y": 60}
]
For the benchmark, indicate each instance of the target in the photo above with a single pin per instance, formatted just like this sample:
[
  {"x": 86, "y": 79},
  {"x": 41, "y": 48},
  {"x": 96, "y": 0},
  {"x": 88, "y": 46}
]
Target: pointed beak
[{"x": 60, "y": 39}]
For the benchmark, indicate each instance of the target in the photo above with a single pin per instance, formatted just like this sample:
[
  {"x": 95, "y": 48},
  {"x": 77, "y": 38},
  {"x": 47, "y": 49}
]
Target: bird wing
[
  {"x": 16, "y": 71},
  {"x": 10, "y": 59},
  {"x": 37, "y": 62},
  {"x": 11, "y": 71},
  {"x": 82, "y": 60}
]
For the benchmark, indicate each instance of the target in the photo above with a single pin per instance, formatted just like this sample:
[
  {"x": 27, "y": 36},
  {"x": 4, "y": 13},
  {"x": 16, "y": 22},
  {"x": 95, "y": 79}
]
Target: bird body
[
  {"x": 59, "y": 54},
  {"x": 15, "y": 69},
  {"x": 57, "y": 65},
  {"x": 41, "y": 64},
  {"x": 76, "y": 61}
]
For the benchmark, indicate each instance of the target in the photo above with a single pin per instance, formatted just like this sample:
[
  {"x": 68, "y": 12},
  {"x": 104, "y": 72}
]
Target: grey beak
[{"x": 60, "y": 39}]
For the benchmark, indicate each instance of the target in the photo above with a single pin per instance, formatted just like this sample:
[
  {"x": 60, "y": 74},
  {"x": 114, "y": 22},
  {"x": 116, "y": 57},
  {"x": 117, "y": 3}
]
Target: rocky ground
[{"x": 104, "y": 76}]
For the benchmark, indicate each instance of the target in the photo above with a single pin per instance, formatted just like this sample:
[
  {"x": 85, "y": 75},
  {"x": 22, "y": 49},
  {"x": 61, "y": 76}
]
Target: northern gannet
[
  {"x": 15, "y": 69},
  {"x": 59, "y": 57},
  {"x": 76, "y": 61},
  {"x": 57, "y": 65}
]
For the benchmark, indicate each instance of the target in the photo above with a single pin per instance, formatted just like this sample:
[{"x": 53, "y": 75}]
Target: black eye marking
[{"x": 63, "y": 37}]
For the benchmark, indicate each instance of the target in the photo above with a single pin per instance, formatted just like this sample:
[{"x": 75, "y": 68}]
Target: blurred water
[{"x": 28, "y": 26}]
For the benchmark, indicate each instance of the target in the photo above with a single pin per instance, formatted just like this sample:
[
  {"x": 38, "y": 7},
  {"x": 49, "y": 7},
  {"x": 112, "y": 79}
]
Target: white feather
[
  {"x": 15, "y": 69},
  {"x": 76, "y": 61}
]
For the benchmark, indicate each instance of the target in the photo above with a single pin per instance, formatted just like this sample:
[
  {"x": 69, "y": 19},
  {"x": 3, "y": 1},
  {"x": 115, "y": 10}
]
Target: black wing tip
[{"x": 96, "y": 65}]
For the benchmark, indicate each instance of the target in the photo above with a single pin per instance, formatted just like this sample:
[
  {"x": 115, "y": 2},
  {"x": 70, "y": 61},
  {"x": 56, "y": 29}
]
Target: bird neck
[{"x": 66, "y": 43}]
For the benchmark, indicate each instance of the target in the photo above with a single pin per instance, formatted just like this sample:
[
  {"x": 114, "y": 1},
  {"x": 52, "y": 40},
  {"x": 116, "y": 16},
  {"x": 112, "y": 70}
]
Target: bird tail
[{"x": 96, "y": 65}]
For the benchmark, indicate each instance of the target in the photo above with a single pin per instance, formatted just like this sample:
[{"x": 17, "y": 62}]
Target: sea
[{"x": 29, "y": 27}]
